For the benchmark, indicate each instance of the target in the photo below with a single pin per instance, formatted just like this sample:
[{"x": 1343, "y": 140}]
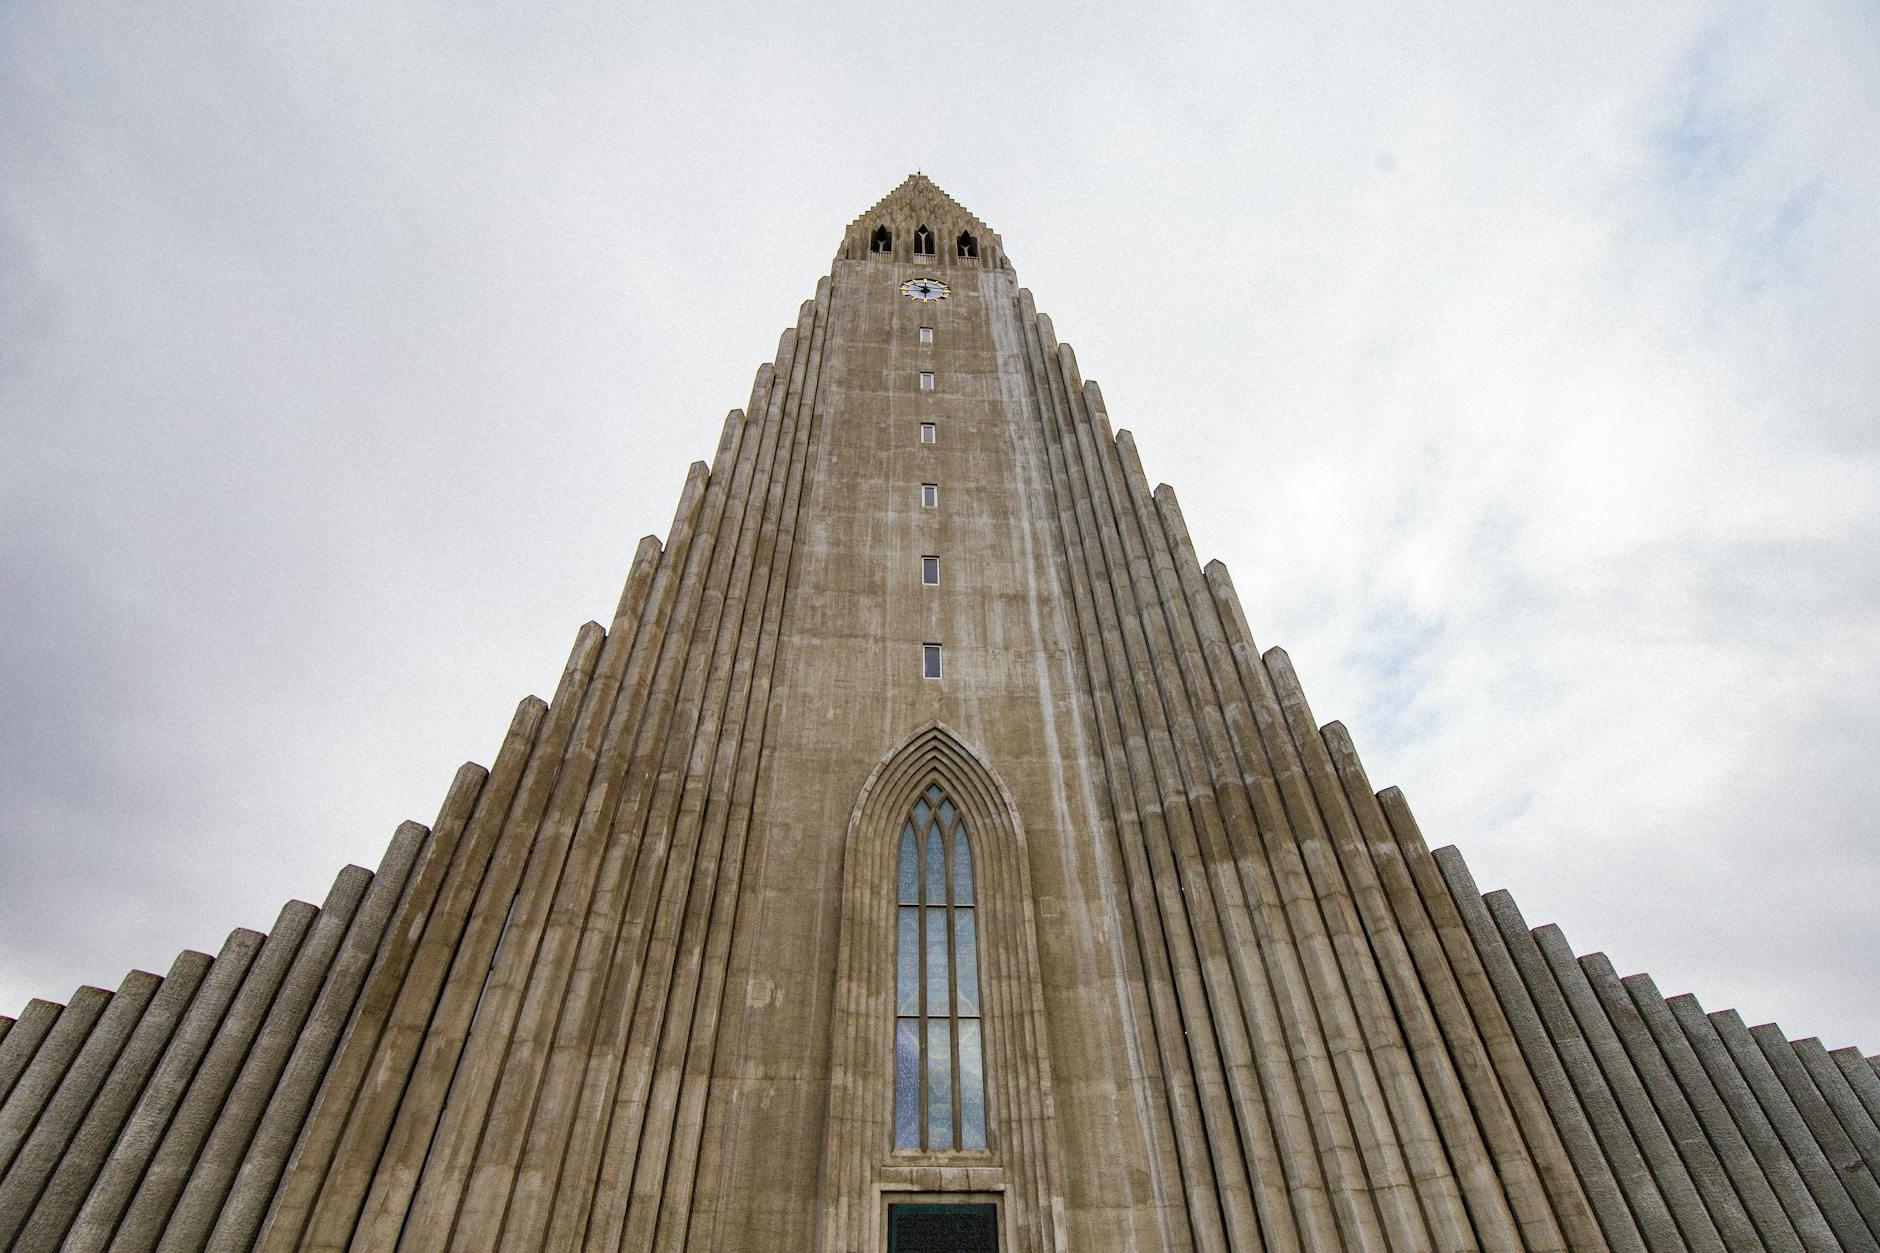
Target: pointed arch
[
  {"x": 966, "y": 245},
  {"x": 882, "y": 240},
  {"x": 861, "y": 1159},
  {"x": 923, "y": 241}
]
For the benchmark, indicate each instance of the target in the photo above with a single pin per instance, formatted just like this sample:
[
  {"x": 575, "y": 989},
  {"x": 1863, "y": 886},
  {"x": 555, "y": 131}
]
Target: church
[{"x": 924, "y": 859}]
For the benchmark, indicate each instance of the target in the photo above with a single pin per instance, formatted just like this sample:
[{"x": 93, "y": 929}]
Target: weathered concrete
[{"x": 636, "y": 986}]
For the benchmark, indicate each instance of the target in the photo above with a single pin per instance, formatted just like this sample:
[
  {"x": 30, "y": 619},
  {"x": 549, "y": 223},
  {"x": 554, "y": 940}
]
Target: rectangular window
[
  {"x": 930, "y": 661},
  {"x": 926, "y": 334},
  {"x": 927, "y": 433},
  {"x": 926, "y": 380},
  {"x": 929, "y": 495},
  {"x": 930, "y": 571}
]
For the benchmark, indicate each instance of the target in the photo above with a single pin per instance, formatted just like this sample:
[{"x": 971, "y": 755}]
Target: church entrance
[{"x": 939, "y": 1227}]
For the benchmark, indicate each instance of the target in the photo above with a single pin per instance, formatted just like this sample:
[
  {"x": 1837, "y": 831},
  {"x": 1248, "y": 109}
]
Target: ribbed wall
[
  {"x": 516, "y": 1034},
  {"x": 165, "y": 1112}
]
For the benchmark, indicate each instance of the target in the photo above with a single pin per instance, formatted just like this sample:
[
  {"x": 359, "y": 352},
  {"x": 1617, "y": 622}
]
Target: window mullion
[{"x": 920, "y": 1076}]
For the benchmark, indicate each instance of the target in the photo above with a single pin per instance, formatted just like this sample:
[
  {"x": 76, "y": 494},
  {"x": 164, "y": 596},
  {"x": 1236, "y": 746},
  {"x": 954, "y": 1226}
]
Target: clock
[{"x": 924, "y": 289}]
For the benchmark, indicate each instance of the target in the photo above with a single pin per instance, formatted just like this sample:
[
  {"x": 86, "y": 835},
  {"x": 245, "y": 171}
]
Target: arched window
[
  {"x": 968, "y": 246},
  {"x": 881, "y": 241},
  {"x": 939, "y": 1048},
  {"x": 923, "y": 242}
]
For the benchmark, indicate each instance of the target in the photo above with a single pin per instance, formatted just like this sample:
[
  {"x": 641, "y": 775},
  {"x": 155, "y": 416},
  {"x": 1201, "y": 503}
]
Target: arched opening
[
  {"x": 968, "y": 246},
  {"x": 923, "y": 242},
  {"x": 881, "y": 241}
]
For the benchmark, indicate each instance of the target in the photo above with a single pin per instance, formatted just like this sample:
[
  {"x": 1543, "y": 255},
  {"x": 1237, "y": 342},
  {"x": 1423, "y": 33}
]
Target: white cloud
[{"x": 1519, "y": 364}]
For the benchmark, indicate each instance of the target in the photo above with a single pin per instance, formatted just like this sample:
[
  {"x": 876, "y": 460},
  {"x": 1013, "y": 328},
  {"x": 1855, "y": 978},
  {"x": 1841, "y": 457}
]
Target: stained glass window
[{"x": 939, "y": 1049}]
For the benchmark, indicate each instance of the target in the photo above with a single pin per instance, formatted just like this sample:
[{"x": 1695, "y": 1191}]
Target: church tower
[{"x": 924, "y": 857}]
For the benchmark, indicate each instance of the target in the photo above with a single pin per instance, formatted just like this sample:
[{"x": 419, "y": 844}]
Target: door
[{"x": 940, "y": 1227}]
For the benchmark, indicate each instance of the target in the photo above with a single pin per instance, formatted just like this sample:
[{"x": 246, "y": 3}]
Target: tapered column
[
  {"x": 51, "y": 1135},
  {"x": 1563, "y": 1108},
  {"x": 1655, "y": 1077},
  {"x": 124, "y": 1169},
  {"x": 41, "y": 1079},
  {"x": 1500, "y": 1141},
  {"x": 260, "y": 1174},
  {"x": 23, "y": 1040},
  {"x": 1860, "y": 1126},
  {"x": 1836, "y": 1142},
  {"x": 176, "y": 1156},
  {"x": 1833, "y": 1191},
  {"x": 1316, "y": 1141},
  {"x": 414, "y": 1073},
  {"x": 1861, "y": 1077},
  {"x": 227, "y": 1144},
  {"x": 64, "y": 1176},
  {"x": 1181, "y": 1165}
]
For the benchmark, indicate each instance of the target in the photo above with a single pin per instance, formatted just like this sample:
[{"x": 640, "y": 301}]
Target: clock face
[{"x": 924, "y": 289}]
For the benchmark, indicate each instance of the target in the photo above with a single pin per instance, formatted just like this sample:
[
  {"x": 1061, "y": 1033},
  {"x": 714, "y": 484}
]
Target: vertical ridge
[
  {"x": 258, "y": 1180},
  {"x": 1178, "y": 1138},
  {"x": 1479, "y": 1124},
  {"x": 61, "y": 1189}
]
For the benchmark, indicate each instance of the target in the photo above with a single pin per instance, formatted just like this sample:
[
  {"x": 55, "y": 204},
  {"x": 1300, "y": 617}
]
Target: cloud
[{"x": 1520, "y": 365}]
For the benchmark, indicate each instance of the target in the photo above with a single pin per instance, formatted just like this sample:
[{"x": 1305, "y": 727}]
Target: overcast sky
[{"x": 1522, "y": 365}]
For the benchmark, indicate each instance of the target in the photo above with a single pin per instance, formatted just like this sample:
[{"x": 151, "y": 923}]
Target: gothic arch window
[
  {"x": 923, "y": 242},
  {"x": 939, "y": 1045},
  {"x": 881, "y": 241},
  {"x": 968, "y": 246}
]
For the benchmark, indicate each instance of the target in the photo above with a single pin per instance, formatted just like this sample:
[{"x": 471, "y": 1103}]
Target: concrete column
[
  {"x": 665, "y": 1197},
  {"x": 585, "y": 1062},
  {"x": 1799, "y": 1197},
  {"x": 1621, "y": 1150},
  {"x": 1525, "y": 1021},
  {"x": 691, "y": 587},
  {"x": 684, "y": 690},
  {"x": 259, "y": 1177},
  {"x": 1477, "y": 1093},
  {"x": 396, "y": 1116},
  {"x": 23, "y": 1041},
  {"x": 227, "y": 1143},
  {"x": 1668, "y": 1170},
  {"x": 124, "y": 1168},
  {"x": 39, "y": 1153},
  {"x": 40, "y": 1082},
  {"x": 1861, "y": 1077},
  {"x": 1771, "y": 1202},
  {"x": 1831, "y": 1139},
  {"x": 645, "y": 1101},
  {"x": 177, "y": 1154},
  {"x": 1859, "y": 1125},
  {"x": 1510, "y": 1069},
  {"x": 70, "y": 1173},
  {"x": 1181, "y": 1140},
  {"x": 1680, "y": 1121}
]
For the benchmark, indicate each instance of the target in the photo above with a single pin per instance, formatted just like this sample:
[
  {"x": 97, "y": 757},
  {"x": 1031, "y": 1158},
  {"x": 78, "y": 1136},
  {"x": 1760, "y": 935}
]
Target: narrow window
[
  {"x": 926, "y": 433},
  {"x": 930, "y": 661},
  {"x": 926, "y": 334},
  {"x": 939, "y": 1049},
  {"x": 929, "y": 495},
  {"x": 923, "y": 242},
  {"x": 881, "y": 241},
  {"x": 926, "y": 380},
  {"x": 930, "y": 571},
  {"x": 968, "y": 246}
]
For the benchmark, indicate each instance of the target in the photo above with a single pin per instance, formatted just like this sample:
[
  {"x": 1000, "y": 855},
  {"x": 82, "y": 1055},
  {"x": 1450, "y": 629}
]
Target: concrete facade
[{"x": 635, "y": 988}]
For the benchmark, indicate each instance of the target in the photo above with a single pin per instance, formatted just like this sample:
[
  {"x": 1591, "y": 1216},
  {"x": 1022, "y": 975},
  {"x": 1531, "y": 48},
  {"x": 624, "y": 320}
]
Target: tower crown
[{"x": 918, "y": 222}]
